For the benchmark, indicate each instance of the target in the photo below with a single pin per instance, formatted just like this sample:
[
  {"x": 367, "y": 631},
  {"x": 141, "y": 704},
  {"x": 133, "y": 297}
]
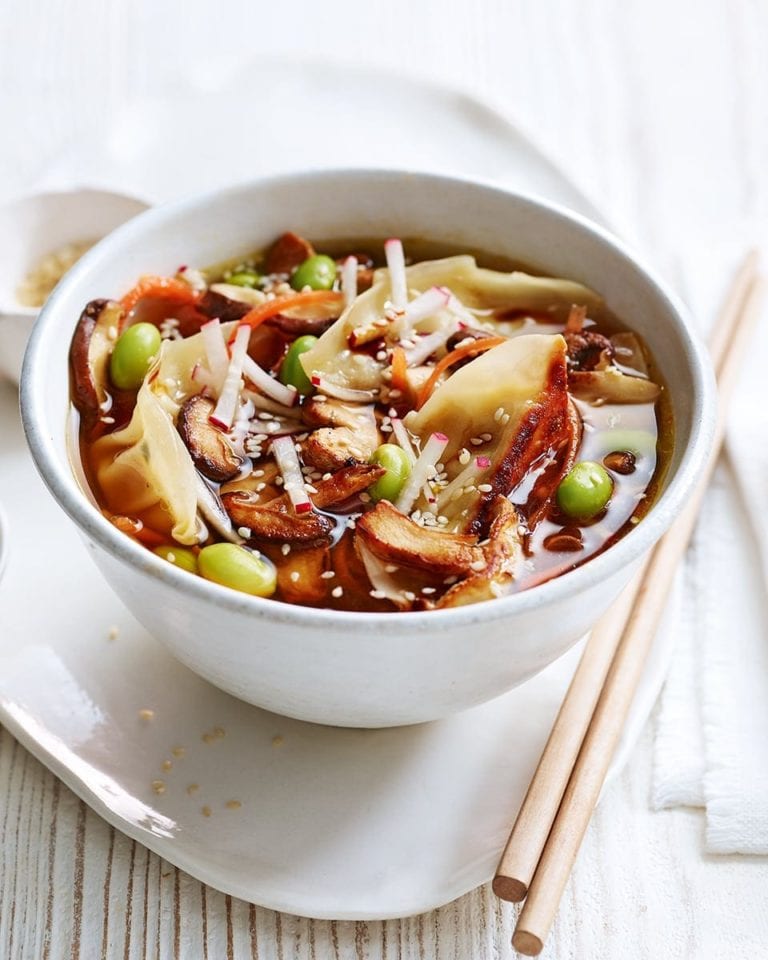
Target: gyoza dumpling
[{"x": 513, "y": 403}]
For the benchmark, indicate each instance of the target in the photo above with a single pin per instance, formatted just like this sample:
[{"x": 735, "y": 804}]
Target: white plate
[{"x": 344, "y": 824}]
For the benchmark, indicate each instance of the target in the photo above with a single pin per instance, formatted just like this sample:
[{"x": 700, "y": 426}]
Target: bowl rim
[{"x": 61, "y": 481}]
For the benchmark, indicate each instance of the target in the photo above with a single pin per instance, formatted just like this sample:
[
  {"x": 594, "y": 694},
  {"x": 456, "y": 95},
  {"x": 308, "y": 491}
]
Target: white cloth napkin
[{"x": 711, "y": 747}]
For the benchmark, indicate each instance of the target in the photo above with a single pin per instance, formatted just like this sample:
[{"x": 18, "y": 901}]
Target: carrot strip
[
  {"x": 152, "y": 286},
  {"x": 467, "y": 350},
  {"x": 272, "y": 307},
  {"x": 399, "y": 370}
]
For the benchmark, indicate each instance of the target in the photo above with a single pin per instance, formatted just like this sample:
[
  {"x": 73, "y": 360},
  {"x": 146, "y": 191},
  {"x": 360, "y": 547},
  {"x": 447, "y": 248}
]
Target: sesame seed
[
  {"x": 476, "y": 441},
  {"x": 505, "y": 419},
  {"x": 337, "y": 592},
  {"x": 427, "y": 590},
  {"x": 158, "y": 786},
  {"x": 167, "y": 764},
  {"x": 233, "y": 804},
  {"x": 258, "y": 473},
  {"x": 178, "y": 752},
  {"x": 477, "y": 565},
  {"x": 391, "y": 568},
  {"x": 244, "y": 532},
  {"x": 146, "y": 715},
  {"x": 486, "y": 436},
  {"x": 328, "y": 574},
  {"x": 260, "y": 486},
  {"x": 464, "y": 456},
  {"x": 409, "y": 595},
  {"x": 295, "y": 576},
  {"x": 499, "y": 414},
  {"x": 206, "y": 811},
  {"x": 277, "y": 741},
  {"x": 193, "y": 788},
  {"x": 327, "y": 476},
  {"x": 285, "y": 549},
  {"x": 485, "y": 487},
  {"x": 395, "y": 394},
  {"x": 378, "y": 594},
  {"x": 113, "y": 633},
  {"x": 449, "y": 580},
  {"x": 365, "y": 497}
]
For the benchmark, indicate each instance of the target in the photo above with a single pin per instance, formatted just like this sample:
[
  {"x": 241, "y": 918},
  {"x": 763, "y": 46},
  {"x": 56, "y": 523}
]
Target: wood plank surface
[{"x": 660, "y": 111}]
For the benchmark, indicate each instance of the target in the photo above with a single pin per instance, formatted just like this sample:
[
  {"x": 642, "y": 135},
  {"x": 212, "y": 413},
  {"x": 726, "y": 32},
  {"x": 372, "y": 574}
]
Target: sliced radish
[
  {"x": 349, "y": 280},
  {"x": 465, "y": 478},
  {"x": 229, "y": 398},
  {"x": 216, "y": 353},
  {"x": 426, "y": 346},
  {"x": 287, "y": 459},
  {"x": 425, "y": 305},
  {"x": 350, "y": 394},
  {"x": 400, "y": 434},
  {"x": 267, "y": 384},
  {"x": 421, "y": 471},
  {"x": 393, "y": 251}
]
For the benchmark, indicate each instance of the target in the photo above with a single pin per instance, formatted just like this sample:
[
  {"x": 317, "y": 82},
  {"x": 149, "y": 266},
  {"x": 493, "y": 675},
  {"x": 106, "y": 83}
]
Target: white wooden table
[{"x": 660, "y": 110}]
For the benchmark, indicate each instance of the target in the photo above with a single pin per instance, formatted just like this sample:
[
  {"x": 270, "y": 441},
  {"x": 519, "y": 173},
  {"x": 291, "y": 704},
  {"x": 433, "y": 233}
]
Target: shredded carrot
[
  {"x": 467, "y": 350},
  {"x": 272, "y": 307},
  {"x": 399, "y": 370},
  {"x": 138, "y": 530},
  {"x": 151, "y": 286}
]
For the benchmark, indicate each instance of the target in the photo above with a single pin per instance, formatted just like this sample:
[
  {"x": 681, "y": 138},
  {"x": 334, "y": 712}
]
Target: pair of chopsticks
[{"x": 565, "y": 788}]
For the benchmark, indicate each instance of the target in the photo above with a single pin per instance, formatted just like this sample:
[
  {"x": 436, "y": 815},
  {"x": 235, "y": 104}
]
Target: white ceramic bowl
[
  {"x": 344, "y": 668},
  {"x": 32, "y": 227}
]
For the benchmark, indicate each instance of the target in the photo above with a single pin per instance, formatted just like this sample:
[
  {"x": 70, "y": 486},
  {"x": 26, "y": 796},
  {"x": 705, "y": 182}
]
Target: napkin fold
[{"x": 711, "y": 743}]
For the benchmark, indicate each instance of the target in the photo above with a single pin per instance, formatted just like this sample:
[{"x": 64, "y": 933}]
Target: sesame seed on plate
[{"x": 337, "y": 592}]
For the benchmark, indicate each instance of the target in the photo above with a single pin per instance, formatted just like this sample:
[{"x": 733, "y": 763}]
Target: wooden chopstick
[
  {"x": 541, "y": 802},
  {"x": 626, "y": 661}
]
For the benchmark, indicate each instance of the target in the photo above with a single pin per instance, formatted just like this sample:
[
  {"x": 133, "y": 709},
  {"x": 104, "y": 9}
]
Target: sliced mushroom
[
  {"x": 305, "y": 321},
  {"x": 348, "y": 434},
  {"x": 611, "y": 386},
  {"x": 344, "y": 484},
  {"x": 395, "y": 538},
  {"x": 93, "y": 340},
  {"x": 208, "y": 446},
  {"x": 286, "y": 253},
  {"x": 503, "y": 553},
  {"x": 225, "y": 308},
  {"x": 275, "y": 522},
  {"x": 299, "y": 575}
]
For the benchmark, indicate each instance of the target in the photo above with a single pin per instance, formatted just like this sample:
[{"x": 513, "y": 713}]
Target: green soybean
[
  {"x": 317, "y": 272},
  {"x": 291, "y": 372},
  {"x": 585, "y": 490},
  {"x": 178, "y": 556},
  {"x": 234, "y": 566},
  {"x": 132, "y": 354},
  {"x": 245, "y": 278},
  {"x": 398, "y": 468}
]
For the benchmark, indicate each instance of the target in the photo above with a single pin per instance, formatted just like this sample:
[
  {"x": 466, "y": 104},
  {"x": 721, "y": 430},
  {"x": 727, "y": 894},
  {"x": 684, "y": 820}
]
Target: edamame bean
[
  {"x": 291, "y": 372},
  {"x": 234, "y": 566},
  {"x": 245, "y": 278},
  {"x": 398, "y": 467},
  {"x": 317, "y": 272},
  {"x": 178, "y": 556},
  {"x": 132, "y": 354},
  {"x": 585, "y": 490}
]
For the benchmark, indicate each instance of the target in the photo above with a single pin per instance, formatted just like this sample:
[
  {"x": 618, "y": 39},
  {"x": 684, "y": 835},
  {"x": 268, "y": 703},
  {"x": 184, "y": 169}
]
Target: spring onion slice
[
  {"x": 287, "y": 459},
  {"x": 229, "y": 398},
  {"x": 350, "y": 394},
  {"x": 422, "y": 471},
  {"x": 259, "y": 377}
]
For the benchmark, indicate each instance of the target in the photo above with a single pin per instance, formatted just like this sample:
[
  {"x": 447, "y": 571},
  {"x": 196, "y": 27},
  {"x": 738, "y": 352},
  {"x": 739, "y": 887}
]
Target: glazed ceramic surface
[
  {"x": 364, "y": 669},
  {"x": 31, "y": 228}
]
